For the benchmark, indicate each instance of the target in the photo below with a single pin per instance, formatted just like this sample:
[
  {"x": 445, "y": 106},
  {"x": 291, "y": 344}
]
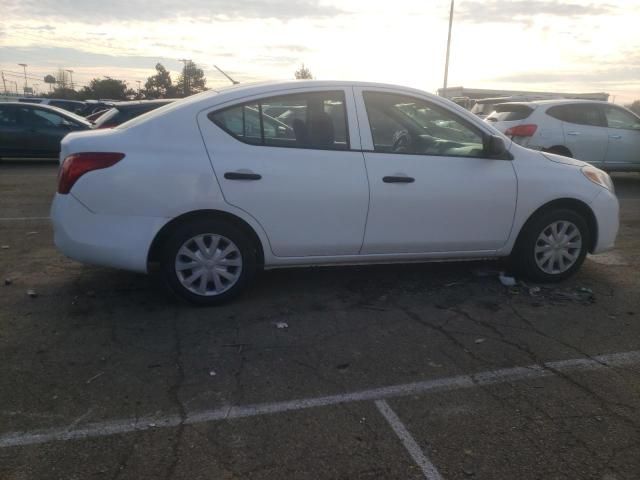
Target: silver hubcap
[
  {"x": 558, "y": 247},
  {"x": 208, "y": 264}
]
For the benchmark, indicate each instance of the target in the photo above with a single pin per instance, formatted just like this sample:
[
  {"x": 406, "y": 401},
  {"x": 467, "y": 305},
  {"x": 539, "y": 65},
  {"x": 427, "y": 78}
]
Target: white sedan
[{"x": 302, "y": 173}]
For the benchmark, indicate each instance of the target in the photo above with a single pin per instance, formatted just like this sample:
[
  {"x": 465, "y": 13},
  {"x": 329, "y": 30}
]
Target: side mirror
[{"x": 494, "y": 147}]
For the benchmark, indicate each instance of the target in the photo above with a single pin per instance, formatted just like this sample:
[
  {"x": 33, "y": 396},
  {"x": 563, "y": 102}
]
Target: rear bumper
[
  {"x": 107, "y": 240},
  {"x": 607, "y": 212}
]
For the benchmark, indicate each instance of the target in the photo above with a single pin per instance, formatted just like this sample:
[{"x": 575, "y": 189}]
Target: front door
[
  {"x": 432, "y": 188},
  {"x": 46, "y": 130},
  {"x": 293, "y": 162},
  {"x": 623, "y": 148}
]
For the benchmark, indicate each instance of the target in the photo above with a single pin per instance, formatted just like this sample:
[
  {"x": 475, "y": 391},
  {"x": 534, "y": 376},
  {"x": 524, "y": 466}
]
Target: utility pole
[
  {"x": 185, "y": 77},
  {"x": 24, "y": 66},
  {"x": 446, "y": 63},
  {"x": 70, "y": 77},
  {"x": 4, "y": 84}
]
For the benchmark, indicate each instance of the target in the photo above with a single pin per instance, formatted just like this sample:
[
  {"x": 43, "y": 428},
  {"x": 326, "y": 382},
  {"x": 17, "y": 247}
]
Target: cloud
[
  {"x": 59, "y": 56},
  {"x": 99, "y": 11},
  {"x": 522, "y": 11}
]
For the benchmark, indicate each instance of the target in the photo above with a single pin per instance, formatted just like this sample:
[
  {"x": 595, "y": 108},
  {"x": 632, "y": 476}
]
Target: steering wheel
[{"x": 401, "y": 141}]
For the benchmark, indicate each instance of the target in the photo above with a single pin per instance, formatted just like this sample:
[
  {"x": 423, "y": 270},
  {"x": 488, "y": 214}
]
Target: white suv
[
  {"x": 600, "y": 133},
  {"x": 215, "y": 186}
]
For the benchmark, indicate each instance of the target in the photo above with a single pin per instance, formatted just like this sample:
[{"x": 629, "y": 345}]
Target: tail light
[
  {"x": 521, "y": 131},
  {"x": 76, "y": 165}
]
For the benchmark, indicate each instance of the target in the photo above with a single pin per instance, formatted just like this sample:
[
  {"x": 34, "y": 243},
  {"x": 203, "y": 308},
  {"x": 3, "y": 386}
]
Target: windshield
[{"x": 509, "y": 113}]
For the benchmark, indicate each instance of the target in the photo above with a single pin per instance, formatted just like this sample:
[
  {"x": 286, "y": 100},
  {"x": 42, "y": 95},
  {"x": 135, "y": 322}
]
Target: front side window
[
  {"x": 41, "y": 118},
  {"x": 618, "y": 118},
  {"x": 306, "y": 120},
  {"x": 402, "y": 124}
]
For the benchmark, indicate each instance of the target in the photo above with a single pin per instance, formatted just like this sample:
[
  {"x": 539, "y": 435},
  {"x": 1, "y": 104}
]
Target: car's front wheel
[
  {"x": 208, "y": 262},
  {"x": 552, "y": 246}
]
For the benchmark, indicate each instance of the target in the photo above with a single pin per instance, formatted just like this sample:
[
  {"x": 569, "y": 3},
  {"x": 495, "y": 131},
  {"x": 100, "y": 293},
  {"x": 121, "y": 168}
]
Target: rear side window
[
  {"x": 310, "y": 120},
  {"x": 581, "y": 114},
  {"x": 509, "y": 113}
]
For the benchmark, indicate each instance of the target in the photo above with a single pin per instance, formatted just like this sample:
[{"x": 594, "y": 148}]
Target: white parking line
[
  {"x": 13, "y": 219},
  {"x": 428, "y": 469},
  {"x": 120, "y": 426}
]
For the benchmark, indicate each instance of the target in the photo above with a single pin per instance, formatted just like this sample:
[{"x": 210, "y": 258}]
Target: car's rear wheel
[
  {"x": 207, "y": 262},
  {"x": 552, "y": 245}
]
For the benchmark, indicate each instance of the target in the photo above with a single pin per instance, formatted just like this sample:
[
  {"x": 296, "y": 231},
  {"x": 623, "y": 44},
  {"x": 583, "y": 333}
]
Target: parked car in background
[
  {"x": 124, "y": 111},
  {"x": 73, "y": 106},
  {"x": 95, "y": 116},
  {"x": 368, "y": 173},
  {"x": 601, "y": 133},
  {"x": 35, "y": 131},
  {"x": 93, "y": 106}
]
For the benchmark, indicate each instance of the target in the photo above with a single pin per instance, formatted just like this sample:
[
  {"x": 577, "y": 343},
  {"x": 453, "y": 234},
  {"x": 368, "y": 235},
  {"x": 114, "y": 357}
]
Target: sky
[{"x": 542, "y": 45}]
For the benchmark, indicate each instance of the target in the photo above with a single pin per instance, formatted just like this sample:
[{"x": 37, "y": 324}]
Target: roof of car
[
  {"x": 557, "y": 101},
  {"x": 133, "y": 103}
]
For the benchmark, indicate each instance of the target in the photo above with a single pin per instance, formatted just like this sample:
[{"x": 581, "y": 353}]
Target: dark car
[
  {"x": 124, "y": 111},
  {"x": 34, "y": 131},
  {"x": 73, "y": 106}
]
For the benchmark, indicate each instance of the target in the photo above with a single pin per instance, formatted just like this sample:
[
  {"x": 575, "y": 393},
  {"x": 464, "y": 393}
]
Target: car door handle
[
  {"x": 573, "y": 133},
  {"x": 242, "y": 176},
  {"x": 616, "y": 137},
  {"x": 398, "y": 179}
]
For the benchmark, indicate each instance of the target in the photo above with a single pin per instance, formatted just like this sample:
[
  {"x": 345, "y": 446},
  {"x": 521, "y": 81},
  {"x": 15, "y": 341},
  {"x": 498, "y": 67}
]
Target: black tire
[
  {"x": 560, "y": 150},
  {"x": 191, "y": 229},
  {"x": 524, "y": 255}
]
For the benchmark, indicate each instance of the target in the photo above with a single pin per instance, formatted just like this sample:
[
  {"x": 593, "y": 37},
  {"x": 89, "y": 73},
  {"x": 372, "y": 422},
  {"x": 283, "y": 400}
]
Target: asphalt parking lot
[{"x": 387, "y": 372}]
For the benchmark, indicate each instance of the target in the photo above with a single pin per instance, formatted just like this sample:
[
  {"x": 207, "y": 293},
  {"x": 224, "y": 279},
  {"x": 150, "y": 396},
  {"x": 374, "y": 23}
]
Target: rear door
[
  {"x": 585, "y": 131},
  {"x": 623, "y": 149},
  {"x": 305, "y": 181}
]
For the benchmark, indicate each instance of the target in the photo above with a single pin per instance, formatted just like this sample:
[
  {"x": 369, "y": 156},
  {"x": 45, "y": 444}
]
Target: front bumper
[
  {"x": 606, "y": 209},
  {"x": 108, "y": 240}
]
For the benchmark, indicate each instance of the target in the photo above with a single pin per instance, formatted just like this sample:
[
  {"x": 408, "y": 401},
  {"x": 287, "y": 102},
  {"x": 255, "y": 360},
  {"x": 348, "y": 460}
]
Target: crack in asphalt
[{"x": 500, "y": 336}]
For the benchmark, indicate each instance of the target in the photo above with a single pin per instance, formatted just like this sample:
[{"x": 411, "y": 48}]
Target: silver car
[{"x": 603, "y": 134}]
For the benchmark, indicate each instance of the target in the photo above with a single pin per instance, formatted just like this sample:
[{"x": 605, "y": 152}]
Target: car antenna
[{"x": 235, "y": 82}]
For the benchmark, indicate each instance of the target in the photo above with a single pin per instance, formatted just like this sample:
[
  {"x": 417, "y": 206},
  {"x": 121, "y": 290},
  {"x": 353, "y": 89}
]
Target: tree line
[{"x": 191, "y": 80}]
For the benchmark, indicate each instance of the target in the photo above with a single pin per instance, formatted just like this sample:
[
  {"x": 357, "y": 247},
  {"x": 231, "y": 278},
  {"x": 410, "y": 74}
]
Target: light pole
[
  {"x": 446, "y": 63},
  {"x": 185, "y": 78},
  {"x": 24, "y": 66},
  {"x": 70, "y": 77}
]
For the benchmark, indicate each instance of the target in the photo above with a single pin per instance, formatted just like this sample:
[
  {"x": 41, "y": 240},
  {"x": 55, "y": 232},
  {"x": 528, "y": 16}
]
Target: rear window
[{"x": 509, "y": 113}]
